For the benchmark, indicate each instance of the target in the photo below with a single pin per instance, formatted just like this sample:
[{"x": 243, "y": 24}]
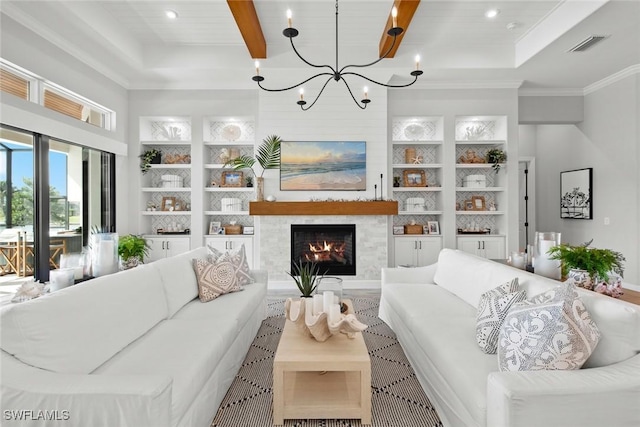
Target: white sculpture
[{"x": 319, "y": 326}]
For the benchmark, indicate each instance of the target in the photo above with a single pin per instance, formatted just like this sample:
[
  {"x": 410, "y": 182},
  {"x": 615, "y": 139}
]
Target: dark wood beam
[
  {"x": 244, "y": 12},
  {"x": 406, "y": 9}
]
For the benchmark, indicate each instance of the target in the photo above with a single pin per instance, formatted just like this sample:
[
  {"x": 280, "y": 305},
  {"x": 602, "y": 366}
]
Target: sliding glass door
[{"x": 53, "y": 194}]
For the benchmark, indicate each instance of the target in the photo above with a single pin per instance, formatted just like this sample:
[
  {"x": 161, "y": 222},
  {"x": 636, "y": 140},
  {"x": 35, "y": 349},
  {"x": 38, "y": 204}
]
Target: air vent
[{"x": 587, "y": 43}]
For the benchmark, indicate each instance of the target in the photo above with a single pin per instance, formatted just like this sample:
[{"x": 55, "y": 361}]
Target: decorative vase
[
  {"x": 130, "y": 262},
  {"x": 613, "y": 287},
  {"x": 259, "y": 189},
  {"x": 543, "y": 265},
  {"x": 581, "y": 278},
  {"x": 104, "y": 253}
]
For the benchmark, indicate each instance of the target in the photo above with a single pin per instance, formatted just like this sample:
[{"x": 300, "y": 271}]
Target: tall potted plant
[
  {"x": 587, "y": 266},
  {"x": 268, "y": 157},
  {"x": 132, "y": 249}
]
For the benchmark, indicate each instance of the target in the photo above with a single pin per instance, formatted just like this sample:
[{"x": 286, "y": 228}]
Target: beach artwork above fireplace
[{"x": 323, "y": 165}]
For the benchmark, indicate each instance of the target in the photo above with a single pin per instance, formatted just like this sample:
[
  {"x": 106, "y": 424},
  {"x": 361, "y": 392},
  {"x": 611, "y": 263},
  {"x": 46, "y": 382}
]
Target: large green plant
[
  {"x": 305, "y": 274},
  {"x": 130, "y": 246},
  {"x": 268, "y": 156},
  {"x": 597, "y": 262}
]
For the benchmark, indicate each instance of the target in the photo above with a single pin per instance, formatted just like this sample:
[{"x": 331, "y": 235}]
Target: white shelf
[
  {"x": 434, "y": 142},
  {"x": 240, "y": 213},
  {"x": 484, "y": 142},
  {"x": 165, "y": 190},
  {"x": 229, "y": 189},
  {"x": 417, "y": 166},
  {"x": 479, "y": 189},
  {"x": 227, "y": 143},
  {"x": 477, "y": 165},
  {"x": 479, "y": 213},
  {"x": 415, "y": 189},
  {"x": 169, "y": 166},
  {"x": 165, "y": 142},
  {"x": 419, "y": 212},
  {"x": 219, "y": 166},
  {"x": 166, "y": 213}
]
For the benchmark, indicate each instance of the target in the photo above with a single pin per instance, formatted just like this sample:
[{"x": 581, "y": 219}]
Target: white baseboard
[
  {"x": 630, "y": 286},
  {"x": 346, "y": 284}
]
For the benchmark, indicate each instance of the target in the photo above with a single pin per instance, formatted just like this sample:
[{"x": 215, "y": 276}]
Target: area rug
[{"x": 397, "y": 399}]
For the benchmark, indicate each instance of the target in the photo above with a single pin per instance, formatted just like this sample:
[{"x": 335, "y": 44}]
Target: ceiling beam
[
  {"x": 406, "y": 9},
  {"x": 244, "y": 12}
]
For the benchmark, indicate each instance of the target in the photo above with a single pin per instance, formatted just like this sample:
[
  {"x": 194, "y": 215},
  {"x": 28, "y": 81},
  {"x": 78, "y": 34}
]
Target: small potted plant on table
[{"x": 132, "y": 249}]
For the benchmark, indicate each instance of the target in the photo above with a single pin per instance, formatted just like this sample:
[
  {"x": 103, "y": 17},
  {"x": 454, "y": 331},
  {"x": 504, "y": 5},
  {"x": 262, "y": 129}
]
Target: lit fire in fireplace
[{"x": 326, "y": 252}]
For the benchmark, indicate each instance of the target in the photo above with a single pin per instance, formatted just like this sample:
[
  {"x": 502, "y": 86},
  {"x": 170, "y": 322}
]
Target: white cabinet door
[
  {"x": 156, "y": 249},
  {"x": 232, "y": 243},
  {"x": 487, "y": 247},
  {"x": 416, "y": 251},
  {"x": 428, "y": 250},
  {"x": 176, "y": 246}
]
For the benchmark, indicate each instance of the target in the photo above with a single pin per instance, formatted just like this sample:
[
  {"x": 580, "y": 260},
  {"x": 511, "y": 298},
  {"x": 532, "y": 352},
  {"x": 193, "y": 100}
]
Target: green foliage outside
[{"x": 22, "y": 205}]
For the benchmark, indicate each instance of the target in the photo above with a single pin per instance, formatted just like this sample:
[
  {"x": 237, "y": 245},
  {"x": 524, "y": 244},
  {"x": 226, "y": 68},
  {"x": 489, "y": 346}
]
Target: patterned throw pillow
[
  {"x": 215, "y": 278},
  {"x": 238, "y": 259},
  {"x": 492, "y": 310},
  {"x": 552, "y": 331}
]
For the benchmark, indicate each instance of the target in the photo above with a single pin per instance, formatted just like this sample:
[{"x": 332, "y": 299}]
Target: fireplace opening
[{"x": 331, "y": 246}]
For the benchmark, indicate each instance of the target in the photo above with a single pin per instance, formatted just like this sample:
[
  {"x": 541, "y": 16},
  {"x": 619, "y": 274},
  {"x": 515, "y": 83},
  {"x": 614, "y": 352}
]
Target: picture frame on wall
[
  {"x": 323, "y": 165},
  {"x": 434, "y": 227},
  {"x": 576, "y": 197}
]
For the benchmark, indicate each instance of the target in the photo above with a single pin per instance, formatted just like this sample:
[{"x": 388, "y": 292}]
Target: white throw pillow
[
  {"x": 492, "y": 310},
  {"x": 238, "y": 259},
  {"x": 552, "y": 331}
]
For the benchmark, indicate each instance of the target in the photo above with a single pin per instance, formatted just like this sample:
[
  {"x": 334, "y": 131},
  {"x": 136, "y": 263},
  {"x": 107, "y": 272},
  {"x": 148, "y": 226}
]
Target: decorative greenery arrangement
[
  {"x": 249, "y": 181},
  {"x": 306, "y": 277},
  {"x": 597, "y": 262},
  {"x": 268, "y": 156},
  {"x": 496, "y": 156},
  {"x": 148, "y": 158},
  {"x": 132, "y": 246}
]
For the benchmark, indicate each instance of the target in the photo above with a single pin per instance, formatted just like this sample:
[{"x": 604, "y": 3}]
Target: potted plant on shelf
[
  {"x": 268, "y": 157},
  {"x": 305, "y": 274},
  {"x": 496, "y": 156},
  {"x": 150, "y": 157},
  {"x": 132, "y": 249},
  {"x": 590, "y": 267},
  {"x": 249, "y": 180}
]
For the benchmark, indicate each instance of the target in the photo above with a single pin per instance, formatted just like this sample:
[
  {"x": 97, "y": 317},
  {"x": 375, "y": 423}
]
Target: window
[{"x": 14, "y": 84}]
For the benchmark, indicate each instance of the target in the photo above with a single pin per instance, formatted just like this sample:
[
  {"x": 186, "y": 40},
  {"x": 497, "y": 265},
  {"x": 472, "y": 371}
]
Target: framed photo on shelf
[
  {"x": 434, "y": 227},
  {"x": 414, "y": 178},
  {"x": 168, "y": 204},
  {"x": 468, "y": 205},
  {"x": 247, "y": 230},
  {"x": 231, "y": 179},
  {"x": 398, "y": 229},
  {"x": 479, "y": 204},
  {"x": 215, "y": 227}
]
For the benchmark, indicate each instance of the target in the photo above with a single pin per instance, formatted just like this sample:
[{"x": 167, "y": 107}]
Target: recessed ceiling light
[
  {"x": 171, "y": 14},
  {"x": 492, "y": 13},
  {"x": 513, "y": 25}
]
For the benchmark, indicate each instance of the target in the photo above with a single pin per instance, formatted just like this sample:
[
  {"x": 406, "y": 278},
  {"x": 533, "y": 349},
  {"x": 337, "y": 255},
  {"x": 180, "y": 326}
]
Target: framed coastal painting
[
  {"x": 576, "y": 200},
  {"x": 323, "y": 165}
]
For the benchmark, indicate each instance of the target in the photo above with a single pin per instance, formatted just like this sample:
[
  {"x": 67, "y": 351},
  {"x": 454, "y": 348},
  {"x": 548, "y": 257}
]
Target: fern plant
[
  {"x": 268, "y": 156},
  {"x": 305, "y": 274},
  {"x": 597, "y": 262},
  {"x": 131, "y": 246}
]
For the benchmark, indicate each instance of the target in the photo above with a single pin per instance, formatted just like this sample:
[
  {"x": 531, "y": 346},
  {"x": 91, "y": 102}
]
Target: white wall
[{"x": 607, "y": 141}]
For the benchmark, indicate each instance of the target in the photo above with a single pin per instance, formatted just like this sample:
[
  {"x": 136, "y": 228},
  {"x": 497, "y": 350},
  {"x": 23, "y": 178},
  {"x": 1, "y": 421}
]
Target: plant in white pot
[
  {"x": 268, "y": 157},
  {"x": 132, "y": 249}
]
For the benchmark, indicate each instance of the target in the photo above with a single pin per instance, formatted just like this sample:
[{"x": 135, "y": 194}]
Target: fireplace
[{"x": 331, "y": 246}]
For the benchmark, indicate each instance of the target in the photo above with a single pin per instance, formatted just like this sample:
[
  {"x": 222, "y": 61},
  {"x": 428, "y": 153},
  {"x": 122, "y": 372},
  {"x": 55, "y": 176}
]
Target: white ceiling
[{"x": 132, "y": 42}]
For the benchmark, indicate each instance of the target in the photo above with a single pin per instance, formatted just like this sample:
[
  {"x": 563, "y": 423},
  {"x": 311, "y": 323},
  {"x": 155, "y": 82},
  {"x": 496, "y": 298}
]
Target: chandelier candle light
[{"x": 337, "y": 73}]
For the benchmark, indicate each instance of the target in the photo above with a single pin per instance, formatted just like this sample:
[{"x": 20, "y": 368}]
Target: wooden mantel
[{"x": 324, "y": 208}]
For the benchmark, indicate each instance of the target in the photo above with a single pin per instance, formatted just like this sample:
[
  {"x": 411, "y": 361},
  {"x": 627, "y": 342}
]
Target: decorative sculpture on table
[{"x": 321, "y": 325}]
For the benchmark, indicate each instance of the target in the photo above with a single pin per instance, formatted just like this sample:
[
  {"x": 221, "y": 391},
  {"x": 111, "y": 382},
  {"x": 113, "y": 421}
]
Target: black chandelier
[{"x": 338, "y": 73}]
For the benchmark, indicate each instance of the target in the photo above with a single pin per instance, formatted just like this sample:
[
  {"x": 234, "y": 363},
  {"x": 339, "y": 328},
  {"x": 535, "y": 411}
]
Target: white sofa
[
  {"x": 136, "y": 348},
  {"x": 433, "y": 311}
]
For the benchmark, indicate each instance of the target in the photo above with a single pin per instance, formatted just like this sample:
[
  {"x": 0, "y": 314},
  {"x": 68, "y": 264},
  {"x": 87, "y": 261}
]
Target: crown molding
[
  {"x": 550, "y": 92},
  {"x": 622, "y": 74},
  {"x": 469, "y": 84}
]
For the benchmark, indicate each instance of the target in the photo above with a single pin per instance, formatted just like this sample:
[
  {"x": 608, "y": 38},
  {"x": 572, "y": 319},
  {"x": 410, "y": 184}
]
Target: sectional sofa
[
  {"x": 433, "y": 312},
  {"x": 132, "y": 349}
]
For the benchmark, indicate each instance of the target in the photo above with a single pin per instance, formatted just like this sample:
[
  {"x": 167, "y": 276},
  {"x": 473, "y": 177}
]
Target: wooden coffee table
[{"x": 312, "y": 379}]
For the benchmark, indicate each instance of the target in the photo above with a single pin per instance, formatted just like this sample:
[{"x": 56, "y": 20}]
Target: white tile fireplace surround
[{"x": 371, "y": 243}]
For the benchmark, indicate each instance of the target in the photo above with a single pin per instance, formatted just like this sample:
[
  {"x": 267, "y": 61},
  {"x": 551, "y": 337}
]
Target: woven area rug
[{"x": 397, "y": 399}]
